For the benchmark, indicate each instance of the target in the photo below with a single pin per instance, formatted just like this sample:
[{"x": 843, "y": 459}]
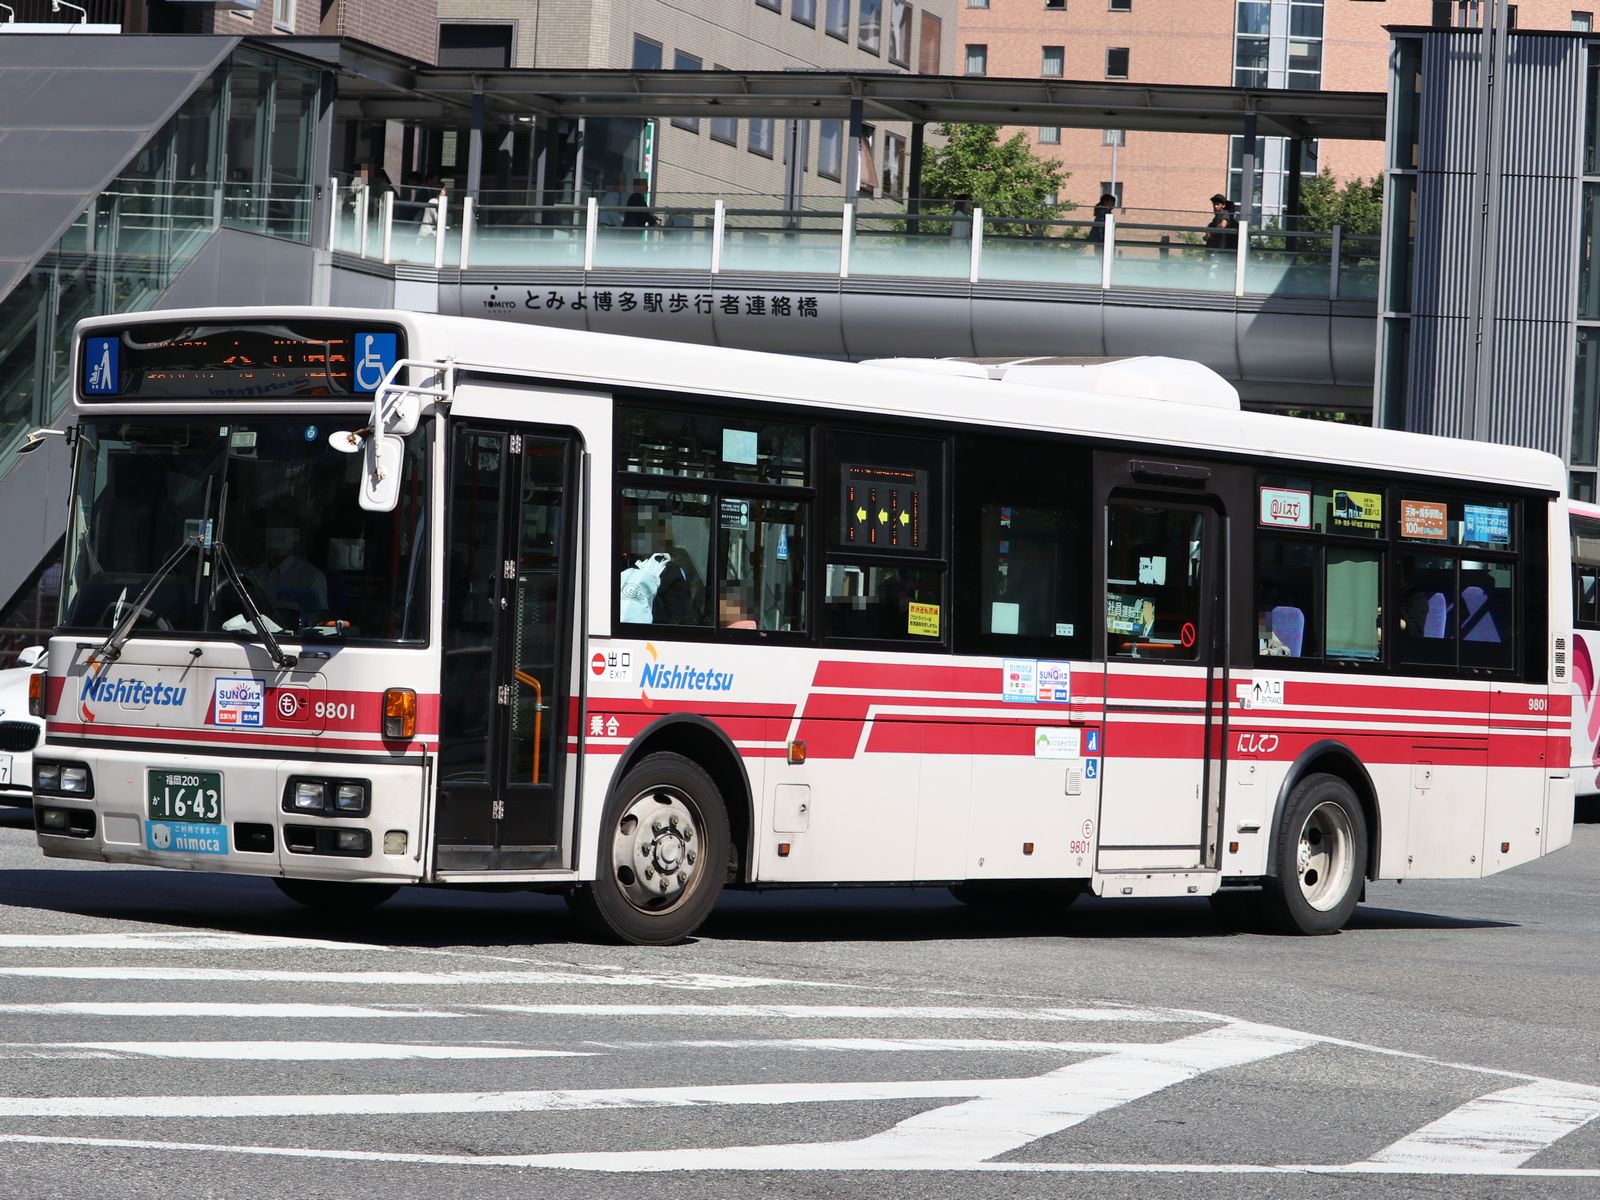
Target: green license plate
[{"x": 185, "y": 796}]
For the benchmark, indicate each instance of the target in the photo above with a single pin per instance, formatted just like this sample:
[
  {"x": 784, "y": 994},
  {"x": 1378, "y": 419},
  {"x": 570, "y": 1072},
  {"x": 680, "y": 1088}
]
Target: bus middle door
[
  {"x": 1163, "y": 568},
  {"x": 504, "y": 779}
]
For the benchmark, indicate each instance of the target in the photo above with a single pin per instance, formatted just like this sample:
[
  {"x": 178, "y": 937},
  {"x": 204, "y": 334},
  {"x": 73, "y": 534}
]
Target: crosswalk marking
[
  {"x": 205, "y": 940},
  {"x": 161, "y": 1008},
  {"x": 1500, "y": 1130},
  {"x": 878, "y": 1045},
  {"x": 541, "y": 977},
  {"x": 852, "y": 1012},
  {"x": 274, "y": 1051}
]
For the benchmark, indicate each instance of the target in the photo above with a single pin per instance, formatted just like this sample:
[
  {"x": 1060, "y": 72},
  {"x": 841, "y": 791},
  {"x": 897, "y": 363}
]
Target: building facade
[
  {"x": 1334, "y": 45},
  {"x": 684, "y": 158}
]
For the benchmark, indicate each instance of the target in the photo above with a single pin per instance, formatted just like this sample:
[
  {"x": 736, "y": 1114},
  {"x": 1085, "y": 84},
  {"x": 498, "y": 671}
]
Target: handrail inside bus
[{"x": 538, "y": 716}]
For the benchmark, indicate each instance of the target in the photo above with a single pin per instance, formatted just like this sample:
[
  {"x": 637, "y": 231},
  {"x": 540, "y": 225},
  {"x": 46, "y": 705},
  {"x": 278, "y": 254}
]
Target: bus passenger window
[
  {"x": 761, "y": 565},
  {"x": 1487, "y": 615},
  {"x": 666, "y": 536},
  {"x": 1429, "y": 607},
  {"x": 1287, "y": 621},
  {"x": 1352, "y": 595}
]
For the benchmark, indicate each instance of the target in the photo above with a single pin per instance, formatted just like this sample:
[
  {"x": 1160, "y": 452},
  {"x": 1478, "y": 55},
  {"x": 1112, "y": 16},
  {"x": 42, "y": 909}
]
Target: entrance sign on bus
[{"x": 876, "y": 651}]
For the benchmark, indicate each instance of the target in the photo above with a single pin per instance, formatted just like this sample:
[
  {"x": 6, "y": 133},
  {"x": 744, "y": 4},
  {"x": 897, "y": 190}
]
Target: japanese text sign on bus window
[
  {"x": 1426, "y": 519},
  {"x": 1486, "y": 524},
  {"x": 882, "y": 507},
  {"x": 1285, "y": 508},
  {"x": 1356, "y": 512}
]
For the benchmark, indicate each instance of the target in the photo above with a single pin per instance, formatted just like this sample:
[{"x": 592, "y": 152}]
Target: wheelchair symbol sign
[
  {"x": 1091, "y": 768},
  {"x": 375, "y": 354}
]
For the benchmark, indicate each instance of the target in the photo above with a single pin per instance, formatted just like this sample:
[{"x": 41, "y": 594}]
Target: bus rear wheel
[
  {"x": 332, "y": 896},
  {"x": 1322, "y": 858},
  {"x": 663, "y": 854}
]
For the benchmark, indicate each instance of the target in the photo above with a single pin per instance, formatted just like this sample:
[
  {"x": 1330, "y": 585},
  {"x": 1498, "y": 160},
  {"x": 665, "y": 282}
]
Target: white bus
[{"x": 359, "y": 599}]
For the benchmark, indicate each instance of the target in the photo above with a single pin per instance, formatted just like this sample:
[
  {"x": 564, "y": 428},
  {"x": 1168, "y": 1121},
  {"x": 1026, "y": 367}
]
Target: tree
[
  {"x": 1005, "y": 179},
  {"x": 1356, "y": 204}
]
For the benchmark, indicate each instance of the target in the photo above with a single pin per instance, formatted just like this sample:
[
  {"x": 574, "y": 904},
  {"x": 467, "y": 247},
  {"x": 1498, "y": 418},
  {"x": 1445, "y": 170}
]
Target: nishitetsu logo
[
  {"x": 125, "y": 689},
  {"x": 680, "y": 677}
]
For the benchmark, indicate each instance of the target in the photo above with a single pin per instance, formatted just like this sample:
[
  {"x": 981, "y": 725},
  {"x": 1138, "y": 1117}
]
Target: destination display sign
[{"x": 239, "y": 361}]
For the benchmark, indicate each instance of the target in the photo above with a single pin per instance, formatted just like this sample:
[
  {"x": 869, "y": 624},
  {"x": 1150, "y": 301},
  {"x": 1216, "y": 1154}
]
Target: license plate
[
  {"x": 185, "y": 796},
  {"x": 5, "y": 768}
]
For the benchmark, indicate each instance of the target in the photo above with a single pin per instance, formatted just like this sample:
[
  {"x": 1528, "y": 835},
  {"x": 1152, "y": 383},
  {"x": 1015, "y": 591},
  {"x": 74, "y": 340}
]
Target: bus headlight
[
  {"x": 75, "y": 781},
  {"x": 310, "y": 795},
  {"x": 46, "y": 777},
  {"x": 350, "y": 798},
  {"x": 399, "y": 713}
]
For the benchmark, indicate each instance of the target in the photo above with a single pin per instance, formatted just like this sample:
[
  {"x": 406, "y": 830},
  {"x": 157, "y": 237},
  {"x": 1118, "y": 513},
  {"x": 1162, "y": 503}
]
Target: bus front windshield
[{"x": 281, "y": 501}]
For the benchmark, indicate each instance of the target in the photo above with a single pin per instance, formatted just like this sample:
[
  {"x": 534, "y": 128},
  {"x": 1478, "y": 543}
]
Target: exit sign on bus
[{"x": 1284, "y": 508}]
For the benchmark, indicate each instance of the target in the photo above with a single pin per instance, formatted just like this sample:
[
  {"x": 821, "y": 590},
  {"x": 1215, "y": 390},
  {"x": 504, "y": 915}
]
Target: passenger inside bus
[{"x": 296, "y": 590}]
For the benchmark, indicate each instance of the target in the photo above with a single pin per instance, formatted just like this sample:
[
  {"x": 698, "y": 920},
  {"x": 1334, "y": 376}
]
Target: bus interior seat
[
  {"x": 1478, "y": 621},
  {"x": 1288, "y": 624},
  {"x": 1437, "y": 623}
]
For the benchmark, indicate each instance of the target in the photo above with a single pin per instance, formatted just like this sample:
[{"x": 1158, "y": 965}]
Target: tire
[
  {"x": 1016, "y": 895},
  {"x": 1322, "y": 858},
  {"x": 331, "y": 896},
  {"x": 663, "y": 854}
]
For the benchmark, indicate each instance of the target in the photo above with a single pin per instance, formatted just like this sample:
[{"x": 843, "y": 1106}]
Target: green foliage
[
  {"x": 1005, "y": 179},
  {"x": 1356, "y": 204}
]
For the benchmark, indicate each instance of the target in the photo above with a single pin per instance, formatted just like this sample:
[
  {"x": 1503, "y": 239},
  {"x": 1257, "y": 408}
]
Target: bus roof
[{"x": 1028, "y": 395}]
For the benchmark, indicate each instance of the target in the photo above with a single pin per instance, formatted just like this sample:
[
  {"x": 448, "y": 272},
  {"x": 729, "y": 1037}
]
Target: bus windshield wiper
[
  {"x": 220, "y": 555},
  {"x": 111, "y": 649}
]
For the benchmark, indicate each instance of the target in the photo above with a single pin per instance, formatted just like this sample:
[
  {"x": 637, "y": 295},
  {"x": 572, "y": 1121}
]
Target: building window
[
  {"x": 774, "y": 5},
  {"x": 1120, "y": 6},
  {"x": 724, "y": 129},
  {"x": 1117, "y": 62},
  {"x": 1583, "y": 22},
  {"x": 830, "y": 149},
  {"x": 1054, "y": 63},
  {"x": 646, "y": 54},
  {"x": 869, "y": 32},
  {"x": 761, "y": 137},
  {"x": 1050, "y": 135},
  {"x": 283, "y": 15},
  {"x": 805, "y": 11},
  {"x": 1056, "y": 4},
  {"x": 977, "y": 60},
  {"x": 1113, "y": 137},
  {"x": 686, "y": 62},
  {"x": 900, "y": 33},
  {"x": 977, "y": 3},
  {"x": 1108, "y": 188},
  {"x": 838, "y": 19},
  {"x": 475, "y": 44},
  {"x": 894, "y": 165}
]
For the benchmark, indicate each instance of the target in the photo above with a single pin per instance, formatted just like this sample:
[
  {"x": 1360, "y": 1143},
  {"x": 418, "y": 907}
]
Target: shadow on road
[{"x": 435, "y": 917}]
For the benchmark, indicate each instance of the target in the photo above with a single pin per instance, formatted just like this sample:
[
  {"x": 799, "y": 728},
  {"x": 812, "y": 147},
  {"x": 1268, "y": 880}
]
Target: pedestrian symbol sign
[
  {"x": 100, "y": 362},
  {"x": 374, "y": 357}
]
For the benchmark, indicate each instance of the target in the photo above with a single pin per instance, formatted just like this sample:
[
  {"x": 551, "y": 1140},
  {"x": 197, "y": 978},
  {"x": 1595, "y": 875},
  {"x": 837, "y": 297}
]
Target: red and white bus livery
[{"x": 354, "y": 600}]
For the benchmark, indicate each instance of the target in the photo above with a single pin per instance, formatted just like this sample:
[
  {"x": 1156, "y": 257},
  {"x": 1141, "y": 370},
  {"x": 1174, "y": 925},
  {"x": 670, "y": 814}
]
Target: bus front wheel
[
  {"x": 1322, "y": 857},
  {"x": 663, "y": 854}
]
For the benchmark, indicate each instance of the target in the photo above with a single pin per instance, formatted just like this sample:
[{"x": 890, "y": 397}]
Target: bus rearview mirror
[{"x": 380, "y": 478}]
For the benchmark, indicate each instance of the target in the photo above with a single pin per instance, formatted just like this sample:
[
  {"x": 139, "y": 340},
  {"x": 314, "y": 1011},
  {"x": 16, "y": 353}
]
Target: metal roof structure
[{"x": 376, "y": 85}]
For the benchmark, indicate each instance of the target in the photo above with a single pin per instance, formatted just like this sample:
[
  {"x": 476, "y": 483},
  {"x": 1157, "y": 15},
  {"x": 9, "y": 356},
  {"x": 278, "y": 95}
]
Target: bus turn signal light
[
  {"x": 399, "y": 713},
  {"x": 36, "y": 694}
]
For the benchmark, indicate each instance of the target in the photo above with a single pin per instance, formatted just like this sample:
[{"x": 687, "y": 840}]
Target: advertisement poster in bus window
[
  {"x": 1356, "y": 512},
  {"x": 1486, "y": 524},
  {"x": 1424, "y": 519},
  {"x": 1285, "y": 508}
]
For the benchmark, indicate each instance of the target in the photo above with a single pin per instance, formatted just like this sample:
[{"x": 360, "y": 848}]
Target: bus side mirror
[
  {"x": 402, "y": 416},
  {"x": 384, "y": 460}
]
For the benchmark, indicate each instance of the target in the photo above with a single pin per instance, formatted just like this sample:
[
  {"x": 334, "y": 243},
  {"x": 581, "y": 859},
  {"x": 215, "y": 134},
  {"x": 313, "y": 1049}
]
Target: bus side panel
[{"x": 1585, "y": 743}]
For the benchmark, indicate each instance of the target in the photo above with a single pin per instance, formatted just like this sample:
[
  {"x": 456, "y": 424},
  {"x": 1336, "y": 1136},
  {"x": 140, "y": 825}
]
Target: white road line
[
  {"x": 854, "y": 1012},
  {"x": 638, "y": 979},
  {"x": 876, "y": 1045},
  {"x": 171, "y": 941},
  {"x": 92, "y": 1008},
  {"x": 563, "y": 1100},
  {"x": 274, "y": 1051},
  {"x": 1494, "y": 1132},
  {"x": 995, "y": 1121}
]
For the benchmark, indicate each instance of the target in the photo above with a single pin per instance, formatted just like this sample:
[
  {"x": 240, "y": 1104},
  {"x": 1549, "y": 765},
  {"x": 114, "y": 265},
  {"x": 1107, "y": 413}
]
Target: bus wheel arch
[
  {"x": 1328, "y": 757},
  {"x": 708, "y": 747}
]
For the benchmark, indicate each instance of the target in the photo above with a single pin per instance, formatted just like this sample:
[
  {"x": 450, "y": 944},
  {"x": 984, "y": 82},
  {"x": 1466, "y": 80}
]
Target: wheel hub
[{"x": 654, "y": 849}]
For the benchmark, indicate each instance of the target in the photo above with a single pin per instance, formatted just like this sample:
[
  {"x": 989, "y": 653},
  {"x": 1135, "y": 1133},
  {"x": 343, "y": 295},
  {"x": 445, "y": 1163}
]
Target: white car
[{"x": 19, "y": 731}]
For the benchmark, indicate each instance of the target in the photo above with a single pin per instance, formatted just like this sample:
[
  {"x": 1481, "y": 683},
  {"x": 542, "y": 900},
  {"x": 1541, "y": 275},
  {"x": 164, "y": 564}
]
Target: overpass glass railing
[
  {"x": 751, "y": 234},
  {"x": 121, "y": 255}
]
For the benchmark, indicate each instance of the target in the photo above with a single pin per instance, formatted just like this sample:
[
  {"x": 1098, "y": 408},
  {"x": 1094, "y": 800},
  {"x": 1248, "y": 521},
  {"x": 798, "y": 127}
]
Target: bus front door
[
  {"x": 1162, "y": 565},
  {"x": 509, "y": 605}
]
